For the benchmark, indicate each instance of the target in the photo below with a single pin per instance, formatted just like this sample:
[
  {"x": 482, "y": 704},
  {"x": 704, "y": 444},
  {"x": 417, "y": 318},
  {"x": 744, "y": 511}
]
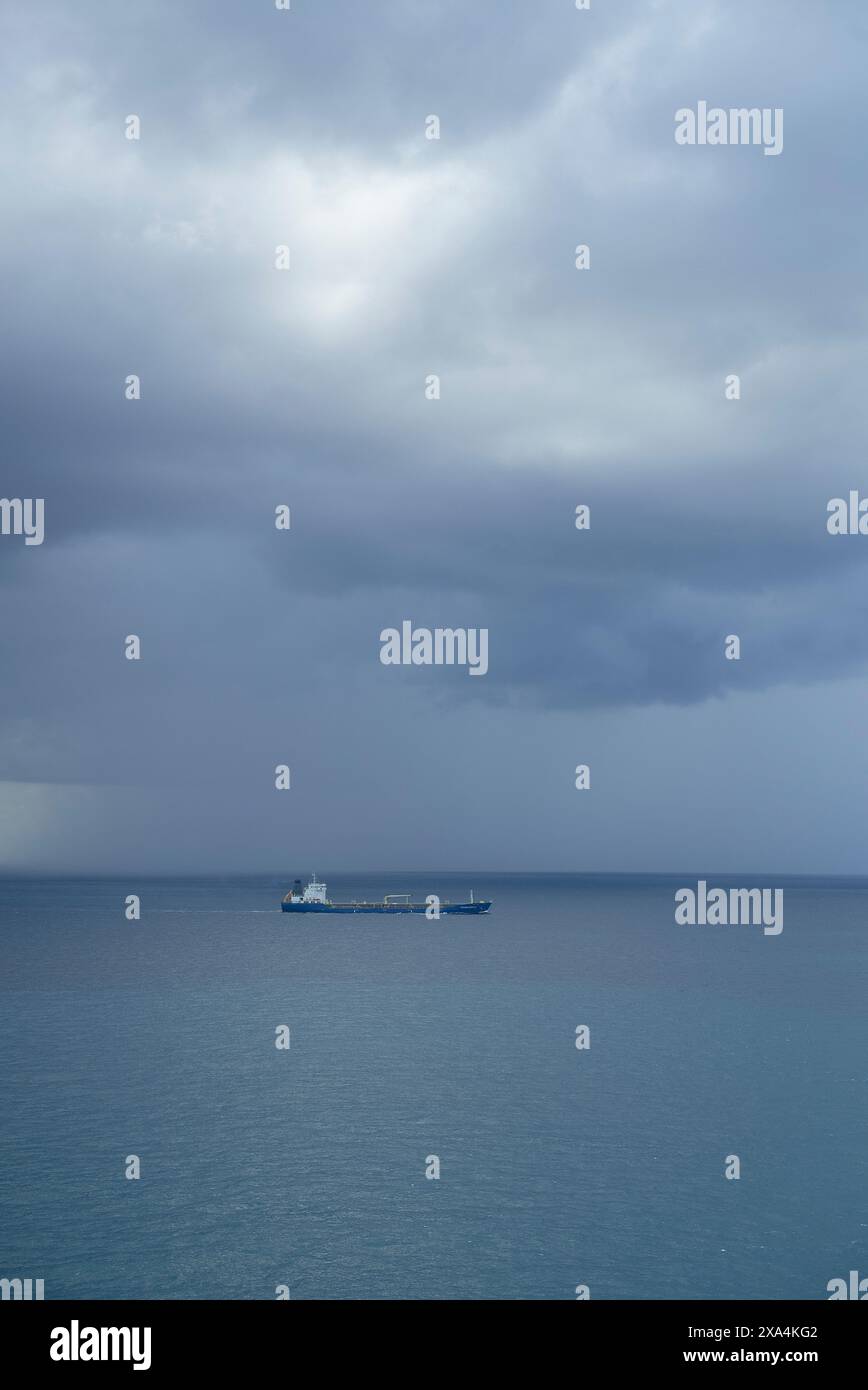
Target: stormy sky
[{"x": 559, "y": 387}]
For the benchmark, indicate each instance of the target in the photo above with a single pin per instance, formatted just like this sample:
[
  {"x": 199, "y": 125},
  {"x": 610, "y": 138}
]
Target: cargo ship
[{"x": 314, "y": 898}]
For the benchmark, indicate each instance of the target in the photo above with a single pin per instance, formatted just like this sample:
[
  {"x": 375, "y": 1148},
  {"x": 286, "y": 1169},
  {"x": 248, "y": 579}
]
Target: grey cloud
[{"x": 558, "y": 387}]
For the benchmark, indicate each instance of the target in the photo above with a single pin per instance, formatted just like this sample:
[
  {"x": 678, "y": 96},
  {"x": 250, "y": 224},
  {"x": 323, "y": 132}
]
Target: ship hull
[{"x": 388, "y": 909}]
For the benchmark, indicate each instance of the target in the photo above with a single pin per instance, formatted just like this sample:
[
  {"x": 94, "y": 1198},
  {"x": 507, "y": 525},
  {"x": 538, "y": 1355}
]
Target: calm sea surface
[{"x": 410, "y": 1038}]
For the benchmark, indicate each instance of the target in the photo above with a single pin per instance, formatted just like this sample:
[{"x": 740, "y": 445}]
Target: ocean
[{"x": 303, "y": 1169}]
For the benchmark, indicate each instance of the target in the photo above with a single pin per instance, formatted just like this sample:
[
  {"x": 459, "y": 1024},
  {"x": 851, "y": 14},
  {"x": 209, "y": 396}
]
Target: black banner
[{"x": 167, "y": 1338}]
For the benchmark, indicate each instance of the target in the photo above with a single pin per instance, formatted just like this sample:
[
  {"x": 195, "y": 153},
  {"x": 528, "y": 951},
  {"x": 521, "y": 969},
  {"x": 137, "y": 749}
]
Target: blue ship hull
[{"x": 389, "y": 909}]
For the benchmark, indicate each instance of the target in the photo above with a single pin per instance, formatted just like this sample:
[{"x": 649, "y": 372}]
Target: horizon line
[{"x": 706, "y": 874}]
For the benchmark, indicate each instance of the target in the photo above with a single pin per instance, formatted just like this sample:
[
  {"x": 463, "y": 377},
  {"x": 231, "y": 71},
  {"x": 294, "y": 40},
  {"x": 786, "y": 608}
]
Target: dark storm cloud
[
  {"x": 409, "y": 258},
  {"x": 226, "y": 70}
]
